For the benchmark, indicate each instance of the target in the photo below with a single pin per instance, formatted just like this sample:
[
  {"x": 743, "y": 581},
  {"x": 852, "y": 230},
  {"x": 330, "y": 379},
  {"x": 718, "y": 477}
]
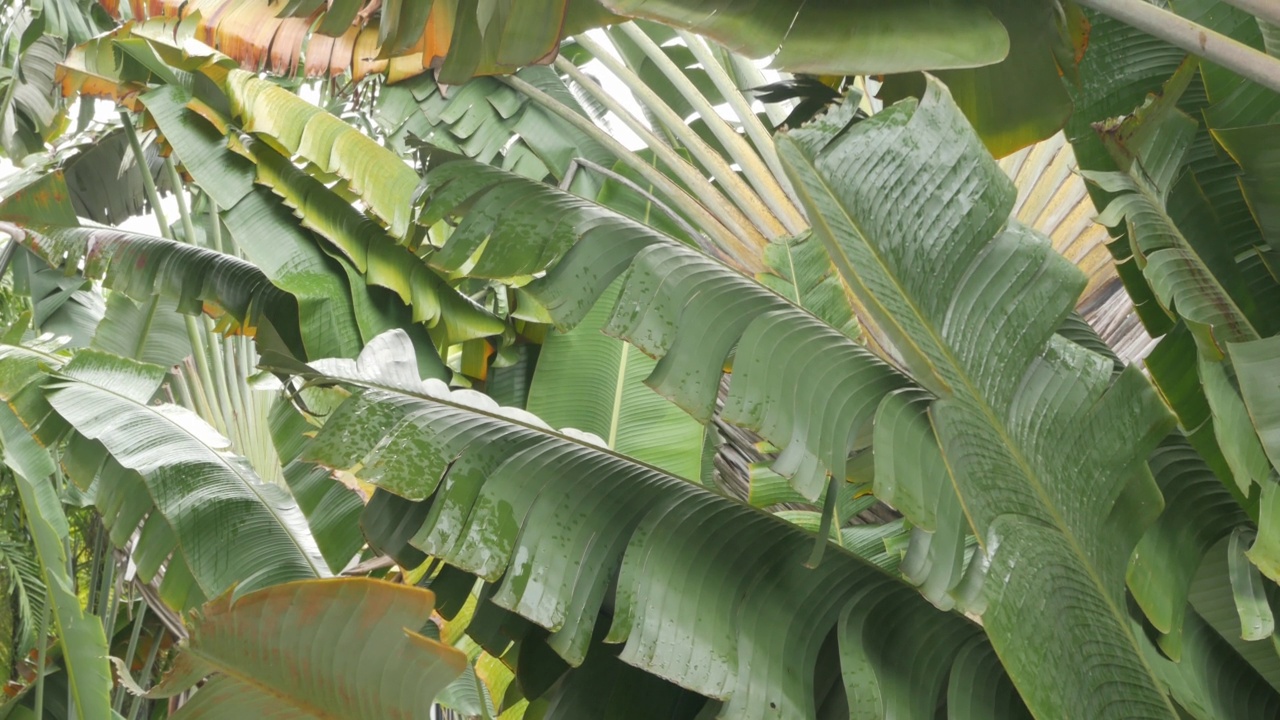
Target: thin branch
[
  {"x": 1196, "y": 39},
  {"x": 148, "y": 182}
]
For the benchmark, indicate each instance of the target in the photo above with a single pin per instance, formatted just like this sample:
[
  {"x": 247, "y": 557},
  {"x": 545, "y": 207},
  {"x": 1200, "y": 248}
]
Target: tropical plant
[{"x": 963, "y": 500}]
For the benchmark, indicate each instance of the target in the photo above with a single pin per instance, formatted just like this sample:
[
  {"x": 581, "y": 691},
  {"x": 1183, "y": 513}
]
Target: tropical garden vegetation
[{"x": 550, "y": 359}]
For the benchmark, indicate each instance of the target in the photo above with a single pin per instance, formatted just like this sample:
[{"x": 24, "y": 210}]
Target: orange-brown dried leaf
[
  {"x": 286, "y": 46},
  {"x": 438, "y": 33},
  {"x": 317, "y": 55},
  {"x": 340, "y": 58},
  {"x": 364, "y": 56}
]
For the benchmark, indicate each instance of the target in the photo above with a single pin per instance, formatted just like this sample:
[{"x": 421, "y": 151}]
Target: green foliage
[
  {"x": 897, "y": 338},
  {"x": 568, "y": 514}
]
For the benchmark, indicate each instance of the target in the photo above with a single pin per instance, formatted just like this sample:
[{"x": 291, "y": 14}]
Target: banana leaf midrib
[{"x": 619, "y": 390}]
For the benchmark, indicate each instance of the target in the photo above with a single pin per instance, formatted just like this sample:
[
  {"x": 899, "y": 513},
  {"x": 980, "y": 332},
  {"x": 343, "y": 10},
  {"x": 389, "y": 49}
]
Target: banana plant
[{"x": 1027, "y": 460}]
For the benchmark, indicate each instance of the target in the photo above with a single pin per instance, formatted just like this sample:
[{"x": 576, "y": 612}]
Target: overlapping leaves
[
  {"x": 162, "y": 472},
  {"x": 555, "y": 517}
]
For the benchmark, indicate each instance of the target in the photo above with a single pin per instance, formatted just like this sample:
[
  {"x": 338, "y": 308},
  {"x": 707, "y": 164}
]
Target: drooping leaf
[
  {"x": 289, "y": 254},
  {"x": 30, "y": 108},
  {"x": 500, "y": 485},
  {"x": 150, "y": 331},
  {"x": 142, "y": 266},
  {"x": 687, "y": 327},
  {"x": 1173, "y": 238},
  {"x": 104, "y": 190},
  {"x": 231, "y": 527},
  {"x": 374, "y": 173},
  {"x": 332, "y": 509},
  {"x": 452, "y": 317},
  {"x": 1198, "y": 513}
]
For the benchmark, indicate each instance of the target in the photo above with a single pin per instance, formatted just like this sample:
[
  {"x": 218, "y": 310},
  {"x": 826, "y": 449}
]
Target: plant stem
[
  {"x": 1196, "y": 39},
  {"x": 146, "y": 673},
  {"x": 710, "y": 225},
  {"x": 42, "y": 639},
  {"x": 148, "y": 182},
  {"x": 215, "y": 222},
  {"x": 153, "y": 197},
  {"x": 746, "y": 240},
  {"x": 184, "y": 212},
  {"x": 118, "y": 703},
  {"x": 196, "y": 331},
  {"x": 146, "y": 328},
  {"x": 6, "y": 255},
  {"x": 760, "y": 176},
  {"x": 759, "y": 134},
  {"x": 735, "y": 188}
]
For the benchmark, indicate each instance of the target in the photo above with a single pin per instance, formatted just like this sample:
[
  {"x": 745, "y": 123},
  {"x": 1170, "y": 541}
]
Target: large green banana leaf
[
  {"x": 358, "y": 637},
  {"x": 1045, "y": 449},
  {"x": 155, "y": 335},
  {"x": 804, "y": 386},
  {"x": 533, "y": 226},
  {"x": 1198, "y": 513},
  {"x": 103, "y": 157},
  {"x": 1175, "y": 238},
  {"x": 555, "y": 516},
  {"x": 1199, "y": 207},
  {"x": 332, "y": 509},
  {"x": 302, "y": 129},
  {"x": 29, "y": 111}
]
